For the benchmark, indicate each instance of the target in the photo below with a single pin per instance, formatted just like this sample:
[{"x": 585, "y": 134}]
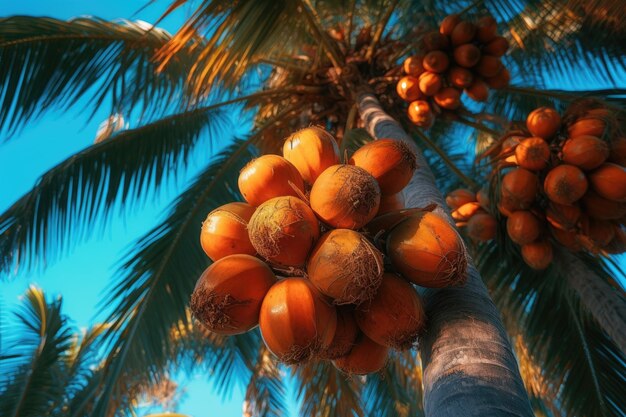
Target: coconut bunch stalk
[
  {"x": 323, "y": 256},
  {"x": 560, "y": 182},
  {"x": 462, "y": 56}
]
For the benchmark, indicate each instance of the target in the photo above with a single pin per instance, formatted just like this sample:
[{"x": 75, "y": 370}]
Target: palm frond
[
  {"x": 53, "y": 63},
  {"x": 353, "y": 139},
  {"x": 154, "y": 284},
  {"x": 581, "y": 361},
  {"x": 121, "y": 169},
  {"x": 228, "y": 361},
  {"x": 30, "y": 384},
  {"x": 561, "y": 40},
  {"x": 397, "y": 390},
  {"x": 325, "y": 391},
  {"x": 238, "y": 34},
  {"x": 266, "y": 394}
]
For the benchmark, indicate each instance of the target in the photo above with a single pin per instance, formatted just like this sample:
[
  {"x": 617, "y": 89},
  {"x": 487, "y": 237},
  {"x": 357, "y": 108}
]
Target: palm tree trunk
[
  {"x": 606, "y": 304},
  {"x": 469, "y": 366}
]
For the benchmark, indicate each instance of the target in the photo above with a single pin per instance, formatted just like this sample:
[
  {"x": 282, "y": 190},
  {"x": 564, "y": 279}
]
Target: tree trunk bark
[
  {"x": 606, "y": 304},
  {"x": 469, "y": 366}
]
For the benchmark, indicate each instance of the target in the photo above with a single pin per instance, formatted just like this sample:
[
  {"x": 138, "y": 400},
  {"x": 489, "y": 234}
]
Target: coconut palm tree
[
  {"x": 291, "y": 64},
  {"x": 47, "y": 367}
]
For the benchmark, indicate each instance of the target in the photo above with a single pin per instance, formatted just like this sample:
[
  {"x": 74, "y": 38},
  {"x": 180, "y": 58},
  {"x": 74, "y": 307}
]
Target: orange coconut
[
  {"x": 489, "y": 66},
  {"x": 585, "y": 152},
  {"x": 609, "y": 181},
  {"x": 345, "y": 196},
  {"x": 543, "y": 122},
  {"x": 482, "y": 227},
  {"x": 532, "y": 154},
  {"x": 588, "y": 126},
  {"x": 295, "y": 320},
  {"x": 538, "y": 255},
  {"x": 565, "y": 184},
  {"x": 563, "y": 216},
  {"x": 224, "y": 232},
  {"x": 499, "y": 81},
  {"x": 449, "y": 23},
  {"x": 478, "y": 90},
  {"x": 408, "y": 88},
  {"x": 365, "y": 357},
  {"x": 283, "y": 230},
  {"x": 618, "y": 151},
  {"x": 428, "y": 251},
  {"x": 463, "y": 33},
  {"x": 458, "y": 197},
  {"x": 602, "y": 208},
  {"x": 466, "y": 55},
  {"x": 519, "y": 189},
  {"x": 413, "y": 65},
  {"x": 466, "y": 211},
  {"x": 601, "y": 232},
  {"x": 460, "y": 77},
  {"x": 227, "y": 297},
  {"x": 448, "y": 98},
  {"x": 395, "y": 317},
  {"x": 267, "y": 177},
  {"x": 523, "y": 227},
  {"x": 436, "y": 61},
  {"x": 311, "y": 150},
  {"x": 482, "y": 196},
  {"x": 567, "y": 238},
  {"x": 497, "y": 47},
  {"x": 345, "y": 266},
  {"x": 390, "y": 162},
  {"x": 421, "y": 114},
  {"x": 434, "y": 41},
  {"x": 430, "y": 83},
  {"x": 345, "y": 335},
  {"x": 486, "y": 29}
]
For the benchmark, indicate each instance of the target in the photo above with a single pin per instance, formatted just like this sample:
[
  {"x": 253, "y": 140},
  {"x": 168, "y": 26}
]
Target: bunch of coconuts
[
  {"x": 559, "y": 181},
  {"x": 323, "y": 256},
  {"x": 461, "y": 56}
]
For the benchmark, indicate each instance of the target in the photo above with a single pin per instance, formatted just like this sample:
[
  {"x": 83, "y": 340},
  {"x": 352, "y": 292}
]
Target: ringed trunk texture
[
  {"x": 469, "y": 366},
  {"x": 606, "y": 304}
]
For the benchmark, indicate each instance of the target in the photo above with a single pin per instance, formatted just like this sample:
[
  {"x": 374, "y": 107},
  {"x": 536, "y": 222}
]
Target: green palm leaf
[
  {"x": 266, "y": 394},
  {"x": 324, "y": 391},
  {"x": 154, "y": 285},
  {"x": 56, "y": 212},
  {"x": 556, "y": 39},
  {"x": 30, "y": 385},
  {"x": 49, "y": 62},
  {"x": 396, "y": 391},
  {"x": 238, "y": 34},
  {"x": 578, "y": 358}
]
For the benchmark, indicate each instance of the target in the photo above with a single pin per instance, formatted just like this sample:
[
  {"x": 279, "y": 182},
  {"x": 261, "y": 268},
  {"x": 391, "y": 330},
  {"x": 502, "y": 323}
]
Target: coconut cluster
[
  {"x": 461, "y": 56},
  {"x": 558, "y": 181},
  {"x": 323, "y": 256}
]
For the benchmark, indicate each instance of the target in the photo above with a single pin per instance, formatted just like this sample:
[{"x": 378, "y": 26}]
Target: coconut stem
[
  {"x": 298, "y": 191},
  {"x": 379, "y": 30},
  {"x": 311, "y": 15}
]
